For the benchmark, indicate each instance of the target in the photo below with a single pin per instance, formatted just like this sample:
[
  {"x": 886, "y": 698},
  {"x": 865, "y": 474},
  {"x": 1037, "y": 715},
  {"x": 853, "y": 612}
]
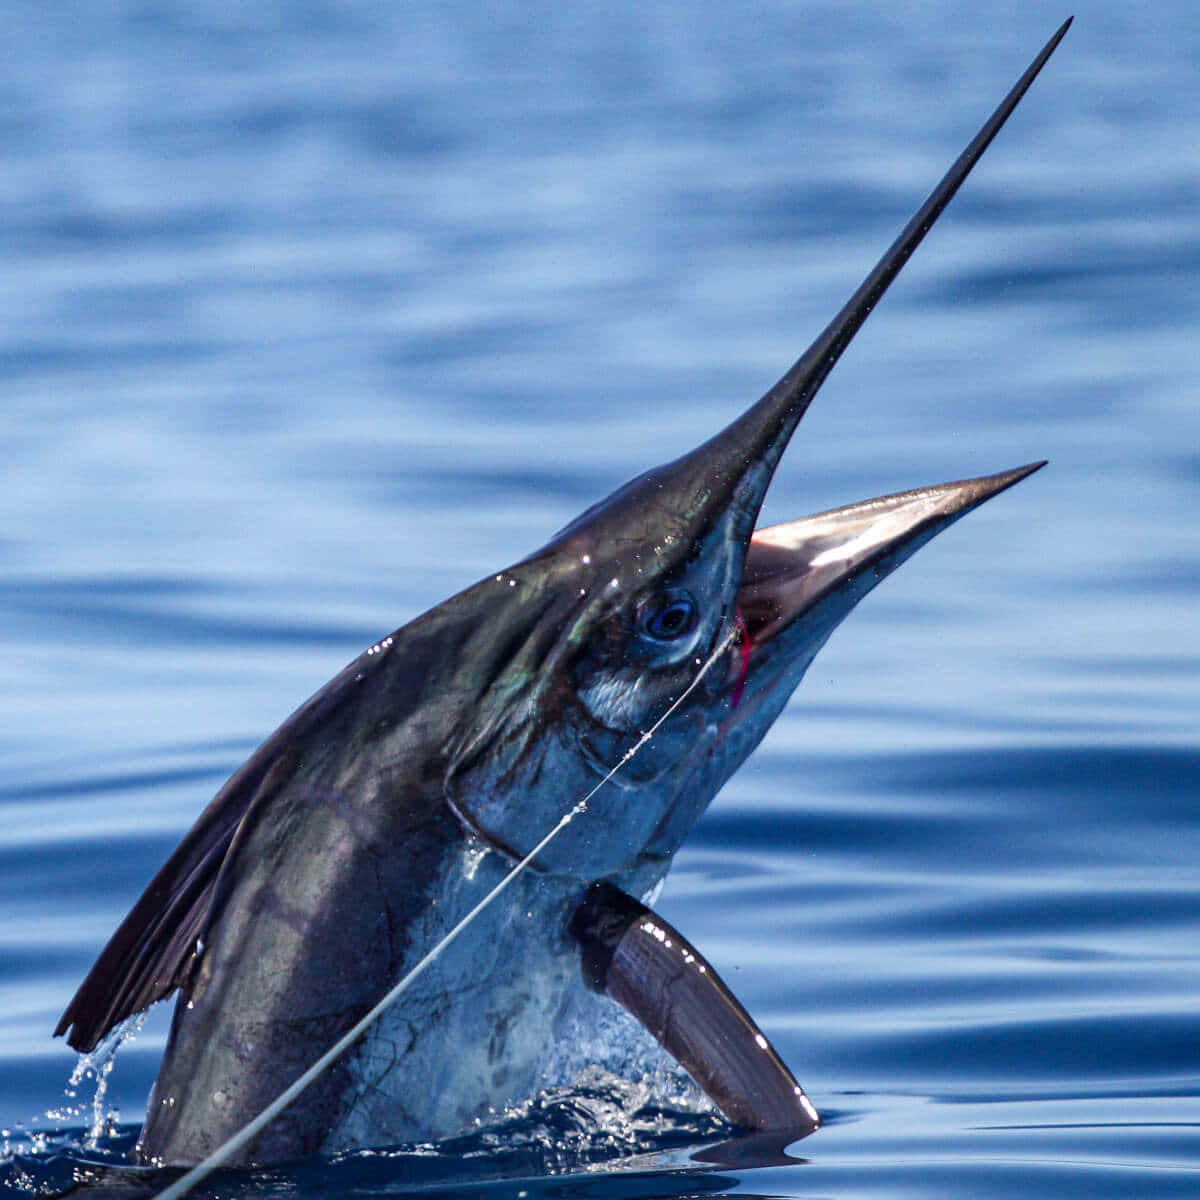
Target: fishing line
[{"x": 251, "y": 1129}]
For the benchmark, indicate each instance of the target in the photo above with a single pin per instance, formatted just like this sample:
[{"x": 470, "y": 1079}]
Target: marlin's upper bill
[{"x": 363, "y": 828}]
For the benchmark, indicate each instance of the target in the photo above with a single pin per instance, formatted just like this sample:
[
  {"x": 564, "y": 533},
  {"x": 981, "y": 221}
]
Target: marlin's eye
[{"x": 668, "y": 616}]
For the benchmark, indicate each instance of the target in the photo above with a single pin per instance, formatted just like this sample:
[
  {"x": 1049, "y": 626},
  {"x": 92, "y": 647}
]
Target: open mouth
[{"x": 791, "y": 568}]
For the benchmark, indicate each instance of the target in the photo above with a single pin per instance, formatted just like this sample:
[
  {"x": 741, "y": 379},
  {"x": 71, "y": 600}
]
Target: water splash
[
  {"x": 91, "y": 1075},
  {"x": 598, "y": 1123},
  {"x": 597, "y": 1117}
]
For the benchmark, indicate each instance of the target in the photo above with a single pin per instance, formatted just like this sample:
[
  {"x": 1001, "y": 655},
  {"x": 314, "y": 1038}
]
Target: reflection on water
[{"x": 314, "y": 316}]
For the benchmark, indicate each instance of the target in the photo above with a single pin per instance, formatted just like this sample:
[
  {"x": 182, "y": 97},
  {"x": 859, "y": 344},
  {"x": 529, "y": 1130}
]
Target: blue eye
[{"x": 669, "y": 616}]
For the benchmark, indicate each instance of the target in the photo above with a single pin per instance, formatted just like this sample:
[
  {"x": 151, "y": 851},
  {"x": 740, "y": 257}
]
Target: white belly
[{"x": 502, "y": 1015}]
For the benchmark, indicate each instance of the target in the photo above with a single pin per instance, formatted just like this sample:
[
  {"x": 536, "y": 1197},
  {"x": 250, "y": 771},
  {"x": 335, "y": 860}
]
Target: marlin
[{"x": 379, "y": 812}]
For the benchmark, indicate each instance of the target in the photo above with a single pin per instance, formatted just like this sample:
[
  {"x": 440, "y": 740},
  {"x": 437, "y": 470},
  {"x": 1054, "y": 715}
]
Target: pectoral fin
[{"x": 637, "y": 959}]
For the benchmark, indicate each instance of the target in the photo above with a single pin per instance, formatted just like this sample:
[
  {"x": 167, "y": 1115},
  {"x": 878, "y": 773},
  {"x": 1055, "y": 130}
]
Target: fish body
[{"x": 342, "y": 853}]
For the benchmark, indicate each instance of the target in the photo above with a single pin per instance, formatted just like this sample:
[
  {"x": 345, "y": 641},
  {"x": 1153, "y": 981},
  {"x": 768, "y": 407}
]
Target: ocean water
[{"x": 314, "y": 313}]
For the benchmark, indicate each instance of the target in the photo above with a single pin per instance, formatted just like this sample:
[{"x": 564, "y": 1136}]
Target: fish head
[
  {"x": 638, "y": 658},
  {"x": 624, "y": 623},
  {"x": 657, "y": 637}
]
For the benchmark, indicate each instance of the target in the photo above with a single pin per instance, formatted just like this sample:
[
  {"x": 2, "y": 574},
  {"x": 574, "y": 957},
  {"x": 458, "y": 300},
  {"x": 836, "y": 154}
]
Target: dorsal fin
[
  {"x": 152, "y": 951},
  {"x": 154, "y": 948}
]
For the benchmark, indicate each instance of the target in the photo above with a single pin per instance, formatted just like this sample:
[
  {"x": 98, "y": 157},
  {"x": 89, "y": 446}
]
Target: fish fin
[
  {"x": 154, "y": 949},
  {"x": 157, "y": 945},
  {"x": 633, "y": 956}
]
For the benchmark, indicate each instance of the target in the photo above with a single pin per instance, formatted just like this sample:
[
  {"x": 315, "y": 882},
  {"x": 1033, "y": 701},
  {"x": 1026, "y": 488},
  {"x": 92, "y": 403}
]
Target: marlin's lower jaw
[{"x": 802, "y": 578}]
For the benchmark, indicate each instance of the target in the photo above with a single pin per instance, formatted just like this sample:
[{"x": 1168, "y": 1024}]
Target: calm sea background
[{"x": 312, "y": 314}]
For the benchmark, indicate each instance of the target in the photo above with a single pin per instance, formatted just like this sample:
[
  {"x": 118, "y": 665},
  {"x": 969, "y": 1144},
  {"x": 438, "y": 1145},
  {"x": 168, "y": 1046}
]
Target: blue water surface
[{"x": 314, "y": 313}]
